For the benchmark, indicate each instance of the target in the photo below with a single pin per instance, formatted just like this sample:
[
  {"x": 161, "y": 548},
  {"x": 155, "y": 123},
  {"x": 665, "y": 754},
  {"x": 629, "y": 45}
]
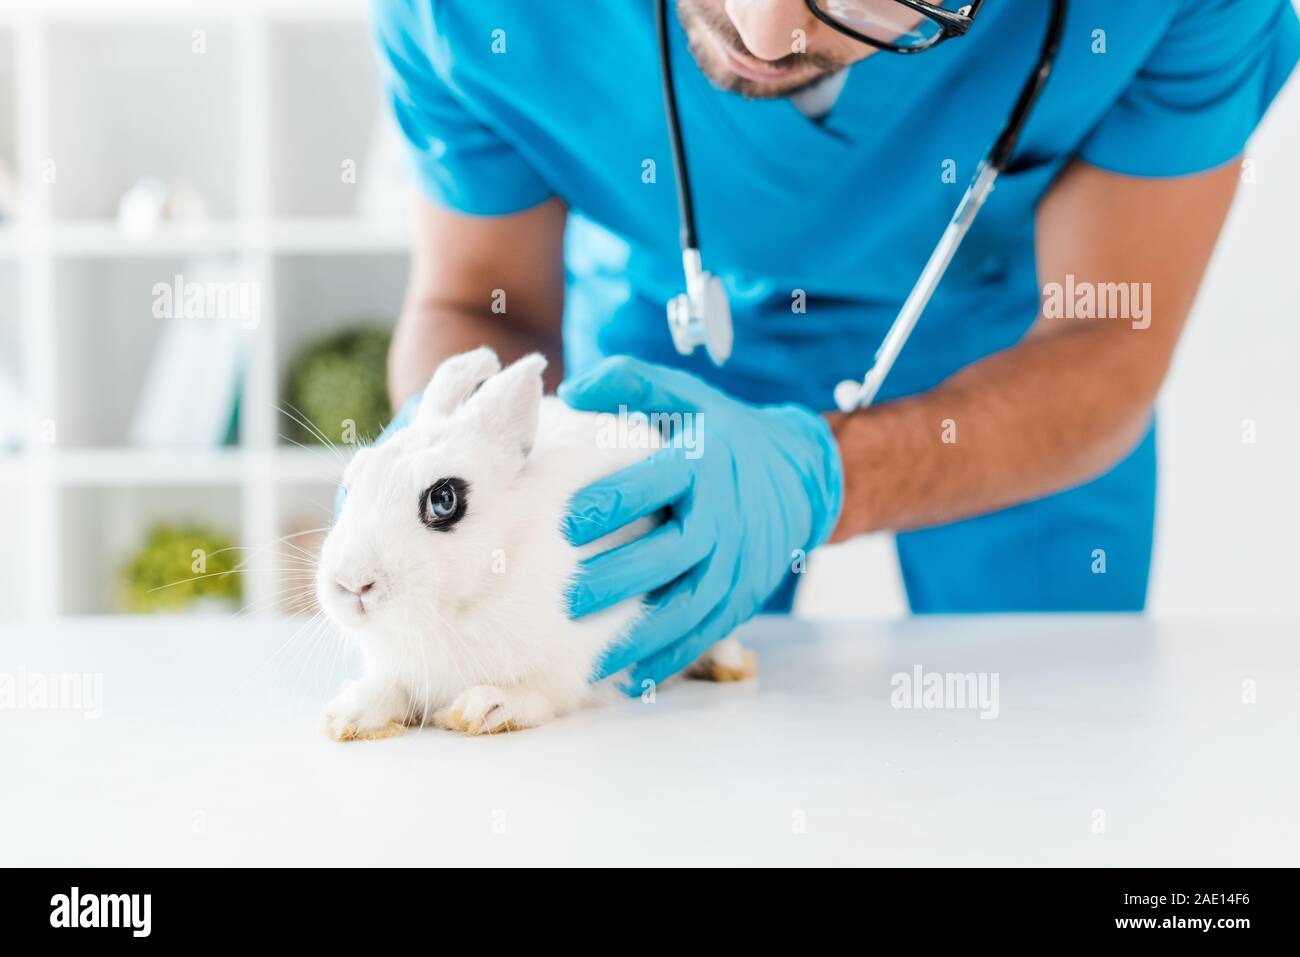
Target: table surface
[{"x": 1116, "y": 741}]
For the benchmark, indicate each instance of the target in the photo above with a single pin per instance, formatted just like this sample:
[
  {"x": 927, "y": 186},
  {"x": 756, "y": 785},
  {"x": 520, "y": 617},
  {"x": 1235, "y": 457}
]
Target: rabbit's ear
[
  {"x": 508, "y": 403},
  {"x": 455, "y": 381}
]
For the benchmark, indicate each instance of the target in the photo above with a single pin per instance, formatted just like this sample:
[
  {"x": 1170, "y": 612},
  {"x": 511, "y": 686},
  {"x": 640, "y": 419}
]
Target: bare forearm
[
  {"x": 1068, "y": 401},
  {"x": 1043, "y": 416},
  {"x": 465, "y": 291},
  {"x": 430, "y": 332}
]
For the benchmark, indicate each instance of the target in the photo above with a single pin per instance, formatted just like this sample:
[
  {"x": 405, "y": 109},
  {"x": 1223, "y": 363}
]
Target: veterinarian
[{"x": 1012, "y": 446}]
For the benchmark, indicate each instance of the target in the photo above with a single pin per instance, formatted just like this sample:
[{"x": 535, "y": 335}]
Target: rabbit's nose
[{"x": 358, "y": 590}]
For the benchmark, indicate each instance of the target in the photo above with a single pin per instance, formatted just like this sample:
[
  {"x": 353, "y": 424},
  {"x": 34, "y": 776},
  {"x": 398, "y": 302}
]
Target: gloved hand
[{"x": 766, "y": 482}]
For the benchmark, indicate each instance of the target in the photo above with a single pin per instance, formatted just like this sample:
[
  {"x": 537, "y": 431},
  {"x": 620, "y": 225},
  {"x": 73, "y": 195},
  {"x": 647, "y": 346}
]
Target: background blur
[{"x": 201, "y": 233}]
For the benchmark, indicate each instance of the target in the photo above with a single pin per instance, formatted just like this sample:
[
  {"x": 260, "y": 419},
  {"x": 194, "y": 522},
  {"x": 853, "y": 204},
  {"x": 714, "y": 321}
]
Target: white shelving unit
[{"x": 261, "y": 122}]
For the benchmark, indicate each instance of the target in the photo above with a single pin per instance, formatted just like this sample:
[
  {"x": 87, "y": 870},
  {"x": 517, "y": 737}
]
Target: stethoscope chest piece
[{"x": 702, "y": 314}]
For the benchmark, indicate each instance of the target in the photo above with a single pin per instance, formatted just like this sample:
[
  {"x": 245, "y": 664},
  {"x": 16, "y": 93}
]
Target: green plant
[
  {"x": 339, "y": 384},
  {"x": 179, "y": 565}
]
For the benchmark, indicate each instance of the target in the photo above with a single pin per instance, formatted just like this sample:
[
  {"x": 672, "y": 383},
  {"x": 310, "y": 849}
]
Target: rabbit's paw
[
  {"x": 364, "y": 711},
  {"x": 485, "y": 709},
  {"x": 725, "y": 661}
]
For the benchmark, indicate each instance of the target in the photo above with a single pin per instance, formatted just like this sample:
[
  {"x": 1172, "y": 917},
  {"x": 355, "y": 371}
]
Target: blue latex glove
[{"x": 765, "y": 482}]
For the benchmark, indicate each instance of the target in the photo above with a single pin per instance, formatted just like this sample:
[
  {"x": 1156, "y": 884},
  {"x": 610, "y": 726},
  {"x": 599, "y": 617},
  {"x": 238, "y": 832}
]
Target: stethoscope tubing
[
  {"x": 685, "y": 200},
  {"x": 852, "y": 394}
]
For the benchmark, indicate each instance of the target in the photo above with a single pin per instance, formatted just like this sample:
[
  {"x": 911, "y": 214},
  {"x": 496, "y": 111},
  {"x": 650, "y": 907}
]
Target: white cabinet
[{"x": 268, "y": 110}]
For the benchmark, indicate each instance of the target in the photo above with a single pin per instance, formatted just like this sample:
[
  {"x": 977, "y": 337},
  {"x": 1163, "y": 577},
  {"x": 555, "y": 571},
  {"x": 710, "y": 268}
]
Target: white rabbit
[{"x": 448, "y": 566}]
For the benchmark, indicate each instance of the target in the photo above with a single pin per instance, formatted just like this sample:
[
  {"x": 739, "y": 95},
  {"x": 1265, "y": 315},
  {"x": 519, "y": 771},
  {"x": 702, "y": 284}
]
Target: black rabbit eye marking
[{"x": 443, "y": 503}]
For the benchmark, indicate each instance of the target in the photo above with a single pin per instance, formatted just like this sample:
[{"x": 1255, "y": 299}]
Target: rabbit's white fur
[{"x": 467, "y": 627}]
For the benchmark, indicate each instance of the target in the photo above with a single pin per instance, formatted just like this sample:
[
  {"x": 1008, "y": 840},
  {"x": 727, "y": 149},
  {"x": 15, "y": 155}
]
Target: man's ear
[
  {"x": 455, "y": 381},
  {"x": 508, "y": 403}
]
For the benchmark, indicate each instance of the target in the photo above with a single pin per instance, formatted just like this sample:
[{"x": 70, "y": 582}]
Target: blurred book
[{"x": 190, "y": 394}]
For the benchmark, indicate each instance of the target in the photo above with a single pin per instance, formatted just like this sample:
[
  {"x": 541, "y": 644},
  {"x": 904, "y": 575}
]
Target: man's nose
[{"x": 767, "y": 26}]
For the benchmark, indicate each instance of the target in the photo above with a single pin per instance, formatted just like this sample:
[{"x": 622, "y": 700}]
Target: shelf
[
  {"x": 150, "y": 11},
  {"x": 329, "y": 157},
  {"x": 91, "y": 238},
  {"x": 136, "y": 100},
  {"x": 9, "y": 245},
  {"x": 317, "y": 295},
  {"x": 259, "y": 123},
  {"x": 329, "y": 235},
  {"x": 113, "y": 467},
  {"x": 16, "y": 518},
  {"x": 309, "y": 464},
  {"x": 304, "y": 509},
  {"x": 288, "y": 235},
  {"x": 10, "y": 329},
  {"x": 8, "y": 115},
  {"x": 107, "y": 330},
  {"x": 103, "y": 526}
]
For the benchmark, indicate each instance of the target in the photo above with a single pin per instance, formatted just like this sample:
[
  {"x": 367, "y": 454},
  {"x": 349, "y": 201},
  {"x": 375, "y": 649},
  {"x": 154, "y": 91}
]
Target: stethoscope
[{"x": 702, "y": 314}]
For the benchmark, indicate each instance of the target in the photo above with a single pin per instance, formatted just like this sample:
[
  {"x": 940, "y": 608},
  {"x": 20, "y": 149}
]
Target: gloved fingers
[
  {"x": 669, "y": 615},
  {"x": 683, "y": 653},
  {"x": 623, "y": 655},
  {"x": 631, "y": 493},
  {"x": 711, "y": 608},
  {"x": 660, "y": 556},
  {"x": 677, "y": 610},
  {"x": 638, "y": 385}
]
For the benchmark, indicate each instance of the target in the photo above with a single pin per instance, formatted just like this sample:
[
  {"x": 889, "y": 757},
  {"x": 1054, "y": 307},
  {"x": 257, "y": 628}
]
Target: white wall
[
  {"x": 1229, "y": 520},
  {"x": 1228, "y": 529}
]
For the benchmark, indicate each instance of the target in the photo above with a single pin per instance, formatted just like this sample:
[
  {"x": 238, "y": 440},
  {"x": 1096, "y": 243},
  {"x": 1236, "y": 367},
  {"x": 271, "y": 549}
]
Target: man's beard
[{"x": 700, "y": 22}]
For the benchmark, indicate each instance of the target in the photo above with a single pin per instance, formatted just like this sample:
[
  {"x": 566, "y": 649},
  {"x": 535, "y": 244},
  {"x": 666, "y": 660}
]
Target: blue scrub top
[{"x": 506, "y": 103}]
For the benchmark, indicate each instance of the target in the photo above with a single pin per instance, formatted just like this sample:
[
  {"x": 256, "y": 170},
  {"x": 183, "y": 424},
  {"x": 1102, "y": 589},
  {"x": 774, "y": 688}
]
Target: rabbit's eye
[{"x": 442, "y": 504}]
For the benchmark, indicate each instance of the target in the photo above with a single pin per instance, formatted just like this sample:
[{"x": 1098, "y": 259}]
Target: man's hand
[{"x": 764, "y": 488}]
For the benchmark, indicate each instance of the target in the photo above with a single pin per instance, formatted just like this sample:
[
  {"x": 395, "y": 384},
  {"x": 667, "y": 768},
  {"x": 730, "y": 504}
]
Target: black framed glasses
[{"x": 900, "y": 26}]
